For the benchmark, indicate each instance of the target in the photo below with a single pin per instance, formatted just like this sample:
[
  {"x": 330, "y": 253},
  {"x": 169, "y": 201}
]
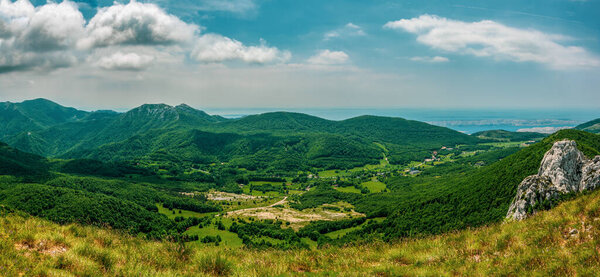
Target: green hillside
[
  {"x": 591, "y": 126},
  {"x": 34, "y": 115},
  {"x": 280, "y": 140},
  {"x": 559, "y": 242},
  {"x": 175, "y": 173},
  {"x": 21, "y": 164},
  {"x": 103, "y": 127},
  {"x": 477, "y": 197}
]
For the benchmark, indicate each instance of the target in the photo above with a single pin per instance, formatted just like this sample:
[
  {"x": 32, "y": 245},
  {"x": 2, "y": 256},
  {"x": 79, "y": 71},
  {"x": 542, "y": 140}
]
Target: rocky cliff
[{"x": 564, "y": 170}]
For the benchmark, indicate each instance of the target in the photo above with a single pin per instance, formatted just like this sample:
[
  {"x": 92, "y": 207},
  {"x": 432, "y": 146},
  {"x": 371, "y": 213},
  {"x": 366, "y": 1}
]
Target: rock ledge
[{"x": 563, "y": 170}]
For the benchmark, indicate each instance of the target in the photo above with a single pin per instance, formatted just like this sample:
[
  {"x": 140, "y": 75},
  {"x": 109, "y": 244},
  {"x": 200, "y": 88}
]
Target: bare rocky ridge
[{"x": 563, "y": 170}]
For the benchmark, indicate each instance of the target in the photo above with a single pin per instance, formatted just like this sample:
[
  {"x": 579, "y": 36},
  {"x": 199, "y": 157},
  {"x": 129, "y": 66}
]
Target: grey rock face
[
  {"x": 532, "y": 190},
  {"x": 590, "y": 178},
  {"x": 564, "y": 169},
  {"x": 563, "y": 164}
]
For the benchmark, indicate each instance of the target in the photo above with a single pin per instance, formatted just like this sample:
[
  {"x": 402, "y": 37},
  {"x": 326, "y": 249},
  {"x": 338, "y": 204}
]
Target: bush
[{"x": 216, "y": 265}]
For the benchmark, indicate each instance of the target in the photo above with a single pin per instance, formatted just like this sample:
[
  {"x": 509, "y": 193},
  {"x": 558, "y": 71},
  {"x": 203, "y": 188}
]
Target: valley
[{"x": 271, "y": 182}]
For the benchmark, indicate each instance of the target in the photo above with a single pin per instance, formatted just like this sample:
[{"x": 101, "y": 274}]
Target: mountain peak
[
  {"x": 184, "y": 106},
  {"x": 158, "y": 111},
  {"x": 159, "y": 106},
  {"x": 40, "y": 101}
]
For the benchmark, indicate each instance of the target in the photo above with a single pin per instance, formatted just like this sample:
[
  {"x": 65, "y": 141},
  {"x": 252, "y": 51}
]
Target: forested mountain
[
  {"x": 591, "y": 126},
  {"x": 436, "y": 205},
  {"x": 21, "y": 164},
  {"x": 278, "y": 140},
  {"x": 34, "y": 115}
]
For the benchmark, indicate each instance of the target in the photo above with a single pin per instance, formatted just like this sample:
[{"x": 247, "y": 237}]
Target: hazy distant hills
[
  {"x": 182, "y": 132},
  {"x": 591, "y": 126},
  {"x": 503, "y": 135}
]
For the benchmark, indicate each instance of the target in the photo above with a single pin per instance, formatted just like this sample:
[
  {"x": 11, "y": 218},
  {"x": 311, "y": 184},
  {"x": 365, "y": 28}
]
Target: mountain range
[{"x": 276, "y": 139}]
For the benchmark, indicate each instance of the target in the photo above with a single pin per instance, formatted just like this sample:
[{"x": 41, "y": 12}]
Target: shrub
[{"x": 216, "y": 265}]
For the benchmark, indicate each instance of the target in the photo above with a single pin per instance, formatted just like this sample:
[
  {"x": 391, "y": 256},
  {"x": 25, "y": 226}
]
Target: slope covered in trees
[
  {"x": 21, "y": 164},
  {"x": 107, "y": 203},
  {"x": 279, "y": 140},
  {"x": 34, "y": 115},
  {"x": 433, "y": 205}
]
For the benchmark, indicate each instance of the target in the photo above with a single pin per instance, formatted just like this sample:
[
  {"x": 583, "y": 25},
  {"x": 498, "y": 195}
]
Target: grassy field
[
  {"x": 332, "y": 173},
  {"x": 348, "y": 189},
  {"x": 229, "y": 239},
  {"x": 544, "y": 245},
  {"x": 178, "y": 212},
  {"x": 374, "y": 186}
]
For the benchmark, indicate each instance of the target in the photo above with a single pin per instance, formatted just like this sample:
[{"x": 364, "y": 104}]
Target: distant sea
[{"x": 463, "y": 120}]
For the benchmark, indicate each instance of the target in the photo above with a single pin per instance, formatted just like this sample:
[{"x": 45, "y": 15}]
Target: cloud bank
[
  {"x": 491, "y": 39},
  {"x": 125, "y": 61},
  {"x": 136, "y": 24},
  {"x": 213, "y": 48},
  {"x": 56, "y": 35},
  {"x": 40, "y": 36}
]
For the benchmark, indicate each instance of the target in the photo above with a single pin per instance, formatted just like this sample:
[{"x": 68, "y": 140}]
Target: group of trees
[
  {"x": 315, "y": 229},
  {"x": 268, "y": 187},
  {"x": 320, "y": 195},
  {"x": 252, "y": 234},
  {"x": 118, "y": 204},
  {"x": 66, "y": 205}
]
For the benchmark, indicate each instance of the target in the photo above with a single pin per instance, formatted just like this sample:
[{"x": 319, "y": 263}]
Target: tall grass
[{"x": 544, "y": 245}]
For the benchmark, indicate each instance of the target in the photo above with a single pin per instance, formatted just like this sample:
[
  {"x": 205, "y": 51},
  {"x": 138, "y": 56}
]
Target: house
[{"x": 414, "y": 172}]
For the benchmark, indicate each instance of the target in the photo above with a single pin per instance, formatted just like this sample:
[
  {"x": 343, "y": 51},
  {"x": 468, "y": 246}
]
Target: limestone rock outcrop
[
  {"x": 563, "y": 170},
  {"x": 590, "y": 179}
]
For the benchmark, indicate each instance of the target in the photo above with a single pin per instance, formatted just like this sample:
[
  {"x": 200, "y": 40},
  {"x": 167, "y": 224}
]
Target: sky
[{"x": 99, "y": 54}]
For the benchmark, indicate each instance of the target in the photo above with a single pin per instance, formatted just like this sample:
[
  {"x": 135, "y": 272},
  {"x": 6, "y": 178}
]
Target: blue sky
[{"x": 278, "y": 53}]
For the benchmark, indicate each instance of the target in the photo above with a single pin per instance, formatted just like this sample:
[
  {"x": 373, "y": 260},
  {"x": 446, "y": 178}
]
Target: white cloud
[
  {"x": 327, "y": 57},
  {"x": 38, "y": 37},
  {"x": 125, "y": 61},
  {"x": 487, "y": 38},
  {"x": 135, "y": 24},
  {"x": 436, "y": 59},
  {"x": 349, "y": 30},
  {"x": 122, "y": 37},
  {"x": 53, "y": 27},
  {"x": 213, "y": 48}
]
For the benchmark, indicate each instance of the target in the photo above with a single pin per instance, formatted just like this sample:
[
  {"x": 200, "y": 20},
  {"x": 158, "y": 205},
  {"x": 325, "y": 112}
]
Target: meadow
[{"x": 561, "y": 241}]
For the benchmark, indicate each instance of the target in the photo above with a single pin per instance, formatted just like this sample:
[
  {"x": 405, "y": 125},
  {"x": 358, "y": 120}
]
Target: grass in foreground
[{"x": 563, "y": 241}]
